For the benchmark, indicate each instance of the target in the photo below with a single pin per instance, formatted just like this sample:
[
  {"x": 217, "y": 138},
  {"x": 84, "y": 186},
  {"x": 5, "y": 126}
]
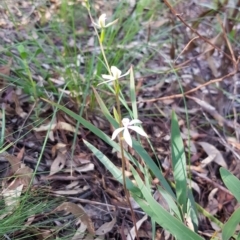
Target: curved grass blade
[
  {"x": 160, "y": 215},
  {"x": 231, "y": 182},
  {"x": 153, "y": 167},
  {"x": 133, "y": 94},
  {"x": 179, "y": 163},
  {"x": 230, "y": 226}
]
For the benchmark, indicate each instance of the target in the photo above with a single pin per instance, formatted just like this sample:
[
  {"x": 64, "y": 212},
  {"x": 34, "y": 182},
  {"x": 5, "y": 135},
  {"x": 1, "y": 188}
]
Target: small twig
[
  {"x": 192, "y": 90},
  {"x": 186, "y": 47},
  {"x": 65, "y": 178},
  {"x": 97, "y": 203}
]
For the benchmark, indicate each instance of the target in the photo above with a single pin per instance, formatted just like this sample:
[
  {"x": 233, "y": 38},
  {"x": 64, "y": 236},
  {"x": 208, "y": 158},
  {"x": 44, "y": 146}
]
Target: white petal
[
  {"x": 111, "y": 23},
  {"x": 116, "y": 132},
  {"x": 127, "y": 137},
  {"x": 135, "y": 121},
  {"x": 125, "y": 73},
  {"x": 101, "y": 20},
  {"x": 108, "y": 77},
  {"x": 125, "y": 122},
  {"x": 138, "y": 130},
  {"x": 116, "y": 72}
]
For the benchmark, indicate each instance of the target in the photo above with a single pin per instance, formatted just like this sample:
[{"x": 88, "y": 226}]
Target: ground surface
[{"x": 45, "y": 45}]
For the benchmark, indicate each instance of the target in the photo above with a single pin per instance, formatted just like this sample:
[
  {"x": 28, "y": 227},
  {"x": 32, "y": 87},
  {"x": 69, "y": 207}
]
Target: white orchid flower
[
  {"x": 127, "y": 124},
  {"x": 116, "y": 74},
  {"x": 101, "y": 22}
]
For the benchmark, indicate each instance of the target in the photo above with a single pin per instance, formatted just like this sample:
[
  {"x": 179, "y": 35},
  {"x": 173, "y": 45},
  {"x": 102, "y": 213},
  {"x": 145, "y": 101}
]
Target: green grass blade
[
  {"x": 160, "y": 215},
  {"x": 179, "y": 163},
  {"x": 230, "y": 226},
  {"x": 153, "y": 167},
  {"x": 105, "y": 111},
  {"x": 192, "y": 209},
  {"x": 231, "y": 182},
  {"x": 238, "y": 237},
  {"x": 133, "y": 94},
  {"x": 171, "y": 202}
]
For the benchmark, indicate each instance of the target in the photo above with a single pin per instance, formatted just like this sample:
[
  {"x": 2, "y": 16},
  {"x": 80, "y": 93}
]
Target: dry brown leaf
[
  {"x": 4, "y": 71},
  {"x": 14, "y": 161},
  {"x": 67, "y": 127},
  {"x": 24, "y": 174},
  {"x": 212, "y": 206},
  {"x": 79, "y": 234},
  {"x": 58, "y": 163},
  {"x": 60, "y": 125},
  {"x": 85, "y": 168},
  {"x": 21, "y": 153},
  {"x": 139, "y": 223},
  {"x": 46, "y": 127},
  {"x": 29, "y": 220},
  {"x": 211, "y": 150},
  {"x": 106, "y": 227},
  {"x": 233, "y": 141},
  {"x": 59, "y": 146},
  {"x": 189, "y": 222},
  {"x": 212, "y": 66},
  {"x": 11, "y": 197},
  {"x": 194, "y": 185},
  {"x": 207, "y": 160},
  {"x": 73, "y": 184},
  {"x": 217, "y": 41},
  {"x": 18, "y": 108},
  {"x": 78, "y": 212},
  {"x": 71, "y": 192}
]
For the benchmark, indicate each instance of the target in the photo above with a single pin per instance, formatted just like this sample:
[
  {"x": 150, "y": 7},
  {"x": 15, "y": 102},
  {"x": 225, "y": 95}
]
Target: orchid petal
[
  {"x": 138, "y": 130},
  {"x": 127, "y": 137},
  {"x": 101, "y": 20},
  {"x": 116, "y": 72},
  {"x": 125, "y": 122},
  {"x": 125, "y": 74},
  {"x": 116, "y": 132},
  {"x": 108, "y": 77},
  {"x": 134, "y": 121},
  {"x": 111, "y": 23}
]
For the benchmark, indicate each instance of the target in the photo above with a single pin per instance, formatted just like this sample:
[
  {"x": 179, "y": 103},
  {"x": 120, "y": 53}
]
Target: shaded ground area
[{"x": 49, "y": 51}]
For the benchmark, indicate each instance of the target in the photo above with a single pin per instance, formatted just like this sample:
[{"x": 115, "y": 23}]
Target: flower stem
[
  {"x": 117, "y": 89},
  {"x": 100, "y": 40}
]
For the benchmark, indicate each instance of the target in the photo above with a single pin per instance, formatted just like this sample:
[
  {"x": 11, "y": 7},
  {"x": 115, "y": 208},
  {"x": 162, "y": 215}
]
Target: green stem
[{"x": 100, "y": 40}]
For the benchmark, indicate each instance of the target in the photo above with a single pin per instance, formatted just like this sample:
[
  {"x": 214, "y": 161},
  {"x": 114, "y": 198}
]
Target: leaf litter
[{"x": 79, "y": 175}]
